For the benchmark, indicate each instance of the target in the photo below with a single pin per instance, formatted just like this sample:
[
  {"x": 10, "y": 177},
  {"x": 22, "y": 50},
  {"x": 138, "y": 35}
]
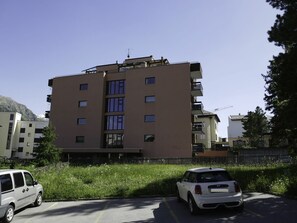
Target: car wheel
[
  {"x": 38, "y": 200},
  {"x": 178, "y": 195},
  {"x": 192, "y": 205},
  {"x": 9, "y": 214}
]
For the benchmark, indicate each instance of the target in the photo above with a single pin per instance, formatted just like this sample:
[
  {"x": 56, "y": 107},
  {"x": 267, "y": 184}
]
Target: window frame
[
  {"x": 149, "y": 118},
  {"x": 150, "y": 80},
  {"x": 83, "y": 87},
  {"x": 150, "y": 99}
]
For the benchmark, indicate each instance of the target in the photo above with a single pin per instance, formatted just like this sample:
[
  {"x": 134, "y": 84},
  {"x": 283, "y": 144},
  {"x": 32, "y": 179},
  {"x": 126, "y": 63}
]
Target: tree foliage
[
  {"x": 281, "y": 78},
  {"x": 47, "y": 153},
  {"x": 256, "y": 125}
]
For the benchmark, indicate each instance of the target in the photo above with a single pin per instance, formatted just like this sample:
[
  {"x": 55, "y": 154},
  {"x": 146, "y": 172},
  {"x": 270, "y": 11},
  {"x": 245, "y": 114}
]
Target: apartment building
[
  {"x": 235, "y": 131},
  {"x": 206, "y": 125},
  {"x": 141, "y": 107},
  {"x": 18, "y": 139}
]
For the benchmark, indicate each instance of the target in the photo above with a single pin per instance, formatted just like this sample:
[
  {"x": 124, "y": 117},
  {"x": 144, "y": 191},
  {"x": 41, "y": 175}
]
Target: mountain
[{"x": 9, "y": 105}]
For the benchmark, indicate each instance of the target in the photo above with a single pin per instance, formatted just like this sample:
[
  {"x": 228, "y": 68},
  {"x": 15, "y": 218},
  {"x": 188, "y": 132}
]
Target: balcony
[
  {"x": 47, "y": 114},
  {"x": 196, "y": 70},
  {"x": 197, "y": 108},
  {"x": 197, "y": 89},
  {"x": 49, "y": 98},
  {"x": 197, "y": 127},
  {"x": 50, "y": 82},
  {"x": 198, "y": 147}
]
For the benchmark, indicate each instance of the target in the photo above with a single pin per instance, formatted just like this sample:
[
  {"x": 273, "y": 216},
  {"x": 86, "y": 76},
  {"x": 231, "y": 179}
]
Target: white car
[
  {"x": 209, "y": 188},
  {"x": 18, "y": 189}
]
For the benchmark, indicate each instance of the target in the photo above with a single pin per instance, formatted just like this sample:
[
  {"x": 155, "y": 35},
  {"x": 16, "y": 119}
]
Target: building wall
[
  {"x": 65, "y": 110},
  {"x": 17, "y": 138},
  {"x": 172, "y": 109}
]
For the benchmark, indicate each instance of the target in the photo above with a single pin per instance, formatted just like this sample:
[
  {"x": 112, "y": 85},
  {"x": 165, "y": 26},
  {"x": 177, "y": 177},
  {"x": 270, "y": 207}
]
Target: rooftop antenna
[{"x": 128, "y": 56}]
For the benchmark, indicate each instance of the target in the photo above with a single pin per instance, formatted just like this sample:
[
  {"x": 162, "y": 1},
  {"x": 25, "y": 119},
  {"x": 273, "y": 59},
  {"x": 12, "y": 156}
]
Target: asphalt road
[{"x": 258, "y": 208}]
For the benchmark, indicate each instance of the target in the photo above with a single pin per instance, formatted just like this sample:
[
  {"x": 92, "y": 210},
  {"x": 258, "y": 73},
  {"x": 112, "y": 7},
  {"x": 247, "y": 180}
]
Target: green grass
[{"x": 136, "y": 180}]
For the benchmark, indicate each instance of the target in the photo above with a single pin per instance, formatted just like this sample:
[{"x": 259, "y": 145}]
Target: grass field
[{"x": 136, "y": 180}]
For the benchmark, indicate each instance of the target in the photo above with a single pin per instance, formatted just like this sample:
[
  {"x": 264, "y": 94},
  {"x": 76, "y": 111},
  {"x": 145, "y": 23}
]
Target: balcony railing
[
  {"x": 49, "y": 98},
  {"x": 197, "y": 127},
  {"x": 197, "y": 107},
  {"x": 47, "y": 114},
  {"x": 196, "y": 70},
  {"x": 197, "y": 89}
]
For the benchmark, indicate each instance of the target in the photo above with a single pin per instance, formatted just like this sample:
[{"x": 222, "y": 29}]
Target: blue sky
[{"x": 42, "y": 39}]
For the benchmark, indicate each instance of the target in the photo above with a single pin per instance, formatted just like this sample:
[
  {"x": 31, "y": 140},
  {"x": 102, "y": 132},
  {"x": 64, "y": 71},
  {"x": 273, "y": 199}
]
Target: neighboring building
[
  {"x": 235, "y": 131},
  {"x": 19, "y": 138},
  {"x": 141, "y": 107},
  {"x": 207, "y": 125}
]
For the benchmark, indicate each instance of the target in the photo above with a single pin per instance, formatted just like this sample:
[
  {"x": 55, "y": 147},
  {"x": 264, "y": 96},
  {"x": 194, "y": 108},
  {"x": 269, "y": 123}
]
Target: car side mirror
[{"x": 35, "y": 182}]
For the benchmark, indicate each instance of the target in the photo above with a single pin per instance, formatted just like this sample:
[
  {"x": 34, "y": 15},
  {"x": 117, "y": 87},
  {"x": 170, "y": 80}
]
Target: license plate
[{"x": 219, "y": 190}]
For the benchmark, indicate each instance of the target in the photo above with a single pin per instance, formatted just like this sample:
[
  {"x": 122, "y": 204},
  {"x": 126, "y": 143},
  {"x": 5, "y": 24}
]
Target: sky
[{"x": 42, "y": 39}]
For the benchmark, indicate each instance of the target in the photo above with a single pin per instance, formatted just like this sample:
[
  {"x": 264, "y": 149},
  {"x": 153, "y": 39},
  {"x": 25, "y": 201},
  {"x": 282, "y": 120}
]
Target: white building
[
  {"x": 235, "y": 130},
  {"x": 19, "y": 138}
]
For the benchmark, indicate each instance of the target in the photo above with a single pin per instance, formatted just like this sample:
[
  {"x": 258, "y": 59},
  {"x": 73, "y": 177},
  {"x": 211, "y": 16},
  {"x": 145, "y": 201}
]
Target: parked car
[
  {"x": 18, "y": 190},
  {"x": 209, "y": 188}
]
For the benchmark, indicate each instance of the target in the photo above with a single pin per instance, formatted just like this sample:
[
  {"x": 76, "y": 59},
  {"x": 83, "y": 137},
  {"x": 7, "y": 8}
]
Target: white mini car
[
  {"x": 209, "y": 188},
  {"x": 18, "y": 189}
]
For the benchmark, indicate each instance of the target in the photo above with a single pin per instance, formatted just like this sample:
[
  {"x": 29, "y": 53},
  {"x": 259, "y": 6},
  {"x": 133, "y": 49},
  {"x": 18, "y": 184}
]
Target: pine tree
[
  {"x": 256, "y": 126},
  {"x": 281, "y": 78},
  {"x": 47, "y": 153}
]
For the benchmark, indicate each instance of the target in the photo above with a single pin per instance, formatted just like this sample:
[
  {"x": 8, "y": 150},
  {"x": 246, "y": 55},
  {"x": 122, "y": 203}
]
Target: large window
[
  {"x": 82, "y": 104},
  {"x": 83, "y": 87},
  {"x": 150, "y": 99},
  {"x": 150, "y": 80},
  {"x": 114, "y": 140},
  {"x": 115, "y": 105},
  {"x": 114, "y": 122},
  {"x": 81, "y": 121},
  {"x": 115, "y": 87},
  {"x": 149, "y": 118},
  {"x": 149, "y": 138},
  {"x": 79, "y": 139}
]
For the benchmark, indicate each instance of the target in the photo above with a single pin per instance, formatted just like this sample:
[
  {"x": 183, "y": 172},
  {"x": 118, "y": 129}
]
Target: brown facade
[{"x": 142, "y": 107}]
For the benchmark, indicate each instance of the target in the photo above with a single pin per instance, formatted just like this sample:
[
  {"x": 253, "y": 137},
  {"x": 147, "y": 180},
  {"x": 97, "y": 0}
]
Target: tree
[
  {"x": 47, "y": 153},
  {"x": 255, "y": 125},
  {"x": 281, "y": 78}
]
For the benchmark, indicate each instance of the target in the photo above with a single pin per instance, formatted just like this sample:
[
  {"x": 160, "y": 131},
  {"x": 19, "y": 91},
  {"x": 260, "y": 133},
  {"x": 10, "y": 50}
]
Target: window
[
  {"x": 29, "y": 134},
  {"x": 115, "y": 87},
  {"x": 23, "y": 130},
  {"x": 83, "y": 87},
  {"x": 79, "y": 139},
  {"x": 37, "y": 140},
  {"x": 114, "y": 122},
  {"x": 29, "y": 179},
  {"x": 38, "y": 130},
  {"x": 30, "y": 125},
  {"x": 6, "y": 182},
  {"x": 149, "y": 118},
  {"x": 81, "y": 121},
  {"x": 21, "y": 139},
  {"x": 11, "y": 117},
  {"x": 149, "y": 138},
  {"x": 150, "y": 80},
  {"x": 82, "y": 104},
  {"x": 20, "y": 149},
  {"x": 18, "y": 180},
  {"x": 150, "y": 99},
  {"x": 114, "y": 140},
  {"x": 115, "y": 105}
]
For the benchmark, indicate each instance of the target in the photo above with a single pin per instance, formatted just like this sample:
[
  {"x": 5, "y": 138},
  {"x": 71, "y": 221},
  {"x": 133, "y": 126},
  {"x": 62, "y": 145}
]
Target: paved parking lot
[{"x": 258, "y": 208}]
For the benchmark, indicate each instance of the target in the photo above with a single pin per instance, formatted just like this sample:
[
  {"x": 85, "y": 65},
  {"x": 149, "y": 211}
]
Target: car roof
[
  {"x": 205, "y": 169},
  {"x": 10, "y": 170}
]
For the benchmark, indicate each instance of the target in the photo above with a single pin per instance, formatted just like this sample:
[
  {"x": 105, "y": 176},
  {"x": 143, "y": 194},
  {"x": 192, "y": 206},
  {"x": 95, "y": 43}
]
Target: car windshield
[{"x": 213, "y": 176}]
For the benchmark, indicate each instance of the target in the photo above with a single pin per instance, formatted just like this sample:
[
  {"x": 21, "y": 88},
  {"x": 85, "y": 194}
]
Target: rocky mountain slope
[{"x": 9, "y": 105}]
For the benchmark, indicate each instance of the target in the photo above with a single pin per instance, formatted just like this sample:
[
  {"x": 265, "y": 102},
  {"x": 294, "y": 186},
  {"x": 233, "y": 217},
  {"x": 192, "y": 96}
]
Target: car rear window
[{"x": 213, "y": 176}]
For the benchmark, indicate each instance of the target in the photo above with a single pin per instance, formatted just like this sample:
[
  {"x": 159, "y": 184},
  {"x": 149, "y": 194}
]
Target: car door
[
  {"x": 183, "y": 186},
  {"x": 30, "y": 188},
  {"x": 19, "y": 190}
]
